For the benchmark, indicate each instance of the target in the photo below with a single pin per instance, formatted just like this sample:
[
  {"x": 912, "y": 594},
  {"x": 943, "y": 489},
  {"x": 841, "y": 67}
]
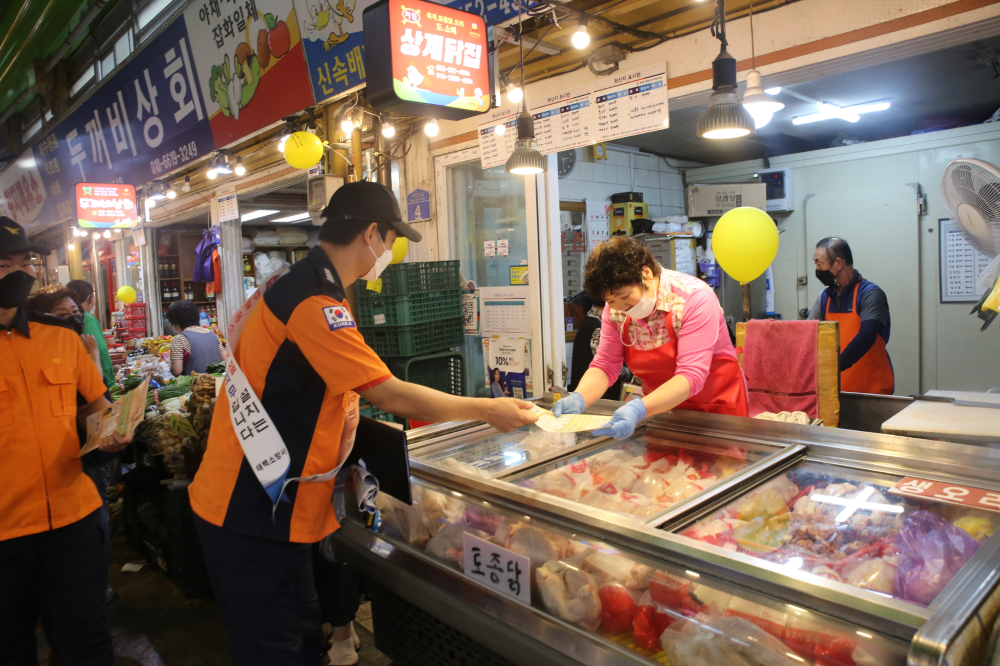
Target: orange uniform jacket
[
  {"x": 303, "y": 355},
  {"x": 43, "y": 368}
]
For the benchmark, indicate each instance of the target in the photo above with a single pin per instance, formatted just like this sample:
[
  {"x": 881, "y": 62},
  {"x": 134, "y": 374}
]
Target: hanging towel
[{"x": 780, "y": 364}]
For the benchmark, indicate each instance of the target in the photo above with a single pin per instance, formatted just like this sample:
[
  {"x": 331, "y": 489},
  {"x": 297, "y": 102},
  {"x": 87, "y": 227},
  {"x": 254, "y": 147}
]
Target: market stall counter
[{"x": 753, "y": 543}]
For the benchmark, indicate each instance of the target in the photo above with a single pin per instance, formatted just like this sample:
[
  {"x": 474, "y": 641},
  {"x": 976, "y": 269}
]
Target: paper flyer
[
  {"x": 122, "y": 417},
  {"x": 568, "y": 422}
]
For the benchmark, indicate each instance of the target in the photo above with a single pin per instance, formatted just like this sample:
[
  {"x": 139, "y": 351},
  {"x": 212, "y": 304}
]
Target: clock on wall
[{"x": 566, "y": 160}]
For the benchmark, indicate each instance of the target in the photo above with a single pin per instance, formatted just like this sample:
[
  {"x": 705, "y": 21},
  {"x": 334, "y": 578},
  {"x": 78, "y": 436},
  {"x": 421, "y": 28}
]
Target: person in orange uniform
[
  {"x": 305, "y": 359},
  {"x": 51, "y": 542},
  {"x": 863, "y": 312}
]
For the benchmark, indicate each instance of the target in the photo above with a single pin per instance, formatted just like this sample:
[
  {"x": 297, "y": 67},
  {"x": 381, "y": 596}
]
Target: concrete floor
[{"x": 183, "y": 631}]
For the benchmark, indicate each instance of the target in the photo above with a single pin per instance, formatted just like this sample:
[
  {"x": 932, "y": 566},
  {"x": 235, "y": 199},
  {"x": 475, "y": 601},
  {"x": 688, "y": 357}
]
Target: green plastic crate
[
  {"x": 373, "y": 412},
  {"x": 444, "y": 371},
  {"x": 417, "y": 277},
  {"x": 379, "y": 310},
  {"x": 395, "y": 341}
]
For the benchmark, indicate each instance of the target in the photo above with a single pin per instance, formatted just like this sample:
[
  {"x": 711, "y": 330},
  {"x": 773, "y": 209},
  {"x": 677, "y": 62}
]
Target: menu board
[
  {"x": 563, "y": 121},
  {"x": 630, "y": 103},
  {"x": 495, "y": 149},
  {"x": 961, "y": 265}
]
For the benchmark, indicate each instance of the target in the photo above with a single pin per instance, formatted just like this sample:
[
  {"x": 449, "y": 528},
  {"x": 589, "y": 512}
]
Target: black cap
[
  {"x": 14, "y": 240},
  {"x": 367, "y": 202}
]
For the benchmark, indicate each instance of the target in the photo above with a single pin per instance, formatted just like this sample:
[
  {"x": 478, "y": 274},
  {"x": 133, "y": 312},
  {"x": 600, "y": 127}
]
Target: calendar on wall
[{"x": 961, "y": 265}]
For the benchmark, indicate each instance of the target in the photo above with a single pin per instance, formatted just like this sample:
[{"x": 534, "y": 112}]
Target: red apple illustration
[{"x": 278, "y": 36}]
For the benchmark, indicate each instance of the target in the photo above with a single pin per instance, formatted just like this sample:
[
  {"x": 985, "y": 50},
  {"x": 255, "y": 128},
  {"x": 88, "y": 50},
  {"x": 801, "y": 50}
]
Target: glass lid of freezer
[
  {"x": 487, "y": 454},
  {"x": 643, "y": 475},
  {"x": 845, "y": 525}
]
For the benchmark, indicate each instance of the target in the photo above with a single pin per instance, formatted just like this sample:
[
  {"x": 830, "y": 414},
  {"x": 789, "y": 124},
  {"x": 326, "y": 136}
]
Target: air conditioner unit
[
  {"x": 319, "y": 190},
  {"x": 719, "y": 198},
  {"x": 780, "y": 188}
]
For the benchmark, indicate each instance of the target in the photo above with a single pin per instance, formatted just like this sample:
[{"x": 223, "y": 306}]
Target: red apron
[
  {"x": 724, "y": 391},
  {"x": 873, "y": 371}
]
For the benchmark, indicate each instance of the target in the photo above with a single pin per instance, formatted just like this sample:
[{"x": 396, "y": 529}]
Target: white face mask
[
  {"x": 381, "y": 261},
  {"x": 644, "y": 307}
]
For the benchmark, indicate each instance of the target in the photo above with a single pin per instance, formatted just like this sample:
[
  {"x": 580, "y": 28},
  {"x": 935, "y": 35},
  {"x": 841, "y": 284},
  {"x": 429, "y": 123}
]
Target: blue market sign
[{"x": 418, "y": 206}]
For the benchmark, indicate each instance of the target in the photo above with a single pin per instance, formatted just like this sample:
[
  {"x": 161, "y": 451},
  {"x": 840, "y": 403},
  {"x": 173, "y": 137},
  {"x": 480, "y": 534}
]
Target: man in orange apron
[{"x": 863, "y": 312}]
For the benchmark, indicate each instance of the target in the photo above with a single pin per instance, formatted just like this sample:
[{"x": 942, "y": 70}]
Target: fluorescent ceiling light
[
  {"x": 292, "y": 218},
  {"x": 831, "y": 112},
  {"x": 254, "y": 214}
]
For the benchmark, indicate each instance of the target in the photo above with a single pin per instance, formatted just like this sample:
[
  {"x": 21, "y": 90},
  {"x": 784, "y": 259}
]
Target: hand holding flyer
[
  {"x": 120, "y": 418},
  {"x": 568, "y": 422}
]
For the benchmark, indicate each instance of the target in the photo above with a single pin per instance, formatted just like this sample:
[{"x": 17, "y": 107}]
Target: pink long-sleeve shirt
[{"x": 685, "y": 305}]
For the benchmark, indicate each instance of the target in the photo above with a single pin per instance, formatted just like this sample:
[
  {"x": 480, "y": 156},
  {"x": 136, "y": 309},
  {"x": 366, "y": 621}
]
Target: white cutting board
[{"x": 941, "y": 420}]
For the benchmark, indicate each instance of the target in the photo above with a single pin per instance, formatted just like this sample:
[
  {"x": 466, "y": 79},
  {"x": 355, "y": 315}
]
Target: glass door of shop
[{"x": 492, "y": 226}]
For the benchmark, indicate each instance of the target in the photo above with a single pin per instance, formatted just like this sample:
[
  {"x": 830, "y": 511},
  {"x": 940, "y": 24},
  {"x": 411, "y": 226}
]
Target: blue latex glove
[
  {"x": 624, "y": 420},
  {"x": 571, "y": 404}
]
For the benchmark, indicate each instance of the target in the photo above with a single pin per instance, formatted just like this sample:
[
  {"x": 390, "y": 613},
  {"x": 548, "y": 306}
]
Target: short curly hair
[{"x": 615, "y": 264}]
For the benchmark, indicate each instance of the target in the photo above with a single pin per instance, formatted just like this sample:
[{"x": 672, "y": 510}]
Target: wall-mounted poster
[
  {"x": 106, "y": 206},
  {"x": 250, "y": 62},
  {"x": 507, "y": 362}
]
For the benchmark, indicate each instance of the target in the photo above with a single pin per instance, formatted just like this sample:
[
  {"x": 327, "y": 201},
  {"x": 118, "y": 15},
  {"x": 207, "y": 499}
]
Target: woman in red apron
[{"x": 668, "y": 328}]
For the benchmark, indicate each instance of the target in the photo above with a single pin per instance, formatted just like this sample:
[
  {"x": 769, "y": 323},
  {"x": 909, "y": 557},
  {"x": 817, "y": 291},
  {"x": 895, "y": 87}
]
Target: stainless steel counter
[{"x": 959, "y": 614}]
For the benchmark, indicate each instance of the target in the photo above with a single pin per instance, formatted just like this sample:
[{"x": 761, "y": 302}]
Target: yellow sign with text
[{"x": 519, "y": 275}]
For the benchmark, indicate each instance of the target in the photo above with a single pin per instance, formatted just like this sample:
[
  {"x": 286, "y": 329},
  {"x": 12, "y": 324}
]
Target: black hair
[
  {"x": 615, "y": 264},
  {"x": 81, "y": 291},
  {"x": 343, "y": 232},
  {"x": 836, "y": 247},
  {"x": 183, "y": 314},
  {"x": 46, "y": 302}
]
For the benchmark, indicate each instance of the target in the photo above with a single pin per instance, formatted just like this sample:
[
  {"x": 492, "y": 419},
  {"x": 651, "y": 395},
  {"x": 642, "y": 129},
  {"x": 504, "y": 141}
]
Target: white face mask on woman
[
  {"x": 644, "y": 307},
  {"x": 381, "y": 261}
]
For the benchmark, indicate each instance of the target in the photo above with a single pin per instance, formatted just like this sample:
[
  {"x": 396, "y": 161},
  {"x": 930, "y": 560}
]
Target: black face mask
[
  {"x": 827, "y": 277},
  {"x": 77, "y": 321},
  {"x": 14, "y": 289}
]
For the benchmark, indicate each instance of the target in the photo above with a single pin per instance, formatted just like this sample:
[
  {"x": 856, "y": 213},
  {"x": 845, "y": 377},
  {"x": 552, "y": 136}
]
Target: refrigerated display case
[{"x": 796, "y": 552}]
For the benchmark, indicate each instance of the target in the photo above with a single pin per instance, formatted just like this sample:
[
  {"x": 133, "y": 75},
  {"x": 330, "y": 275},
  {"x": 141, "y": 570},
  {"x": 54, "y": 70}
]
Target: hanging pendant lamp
[
  {"x": 525, "y": 160},
  {"x": 725, "y": 117},
  {"x": 755, "y": 99}
]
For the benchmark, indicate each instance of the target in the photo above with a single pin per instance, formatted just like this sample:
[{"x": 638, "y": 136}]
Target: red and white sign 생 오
[
  {"x": 439, "y": 55},
  {"x": 106, "y": 206},
  {"x": 948, "y": 492}
]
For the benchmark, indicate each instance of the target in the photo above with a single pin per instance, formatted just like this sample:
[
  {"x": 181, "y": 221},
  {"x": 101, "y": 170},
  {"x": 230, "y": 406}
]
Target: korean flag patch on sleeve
[{"x": 338, "y": 316}]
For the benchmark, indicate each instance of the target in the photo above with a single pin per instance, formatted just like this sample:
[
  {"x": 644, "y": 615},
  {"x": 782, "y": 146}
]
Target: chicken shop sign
[
  {"x": 426, "y": 59},
  {"x": 106, "y": 206}
]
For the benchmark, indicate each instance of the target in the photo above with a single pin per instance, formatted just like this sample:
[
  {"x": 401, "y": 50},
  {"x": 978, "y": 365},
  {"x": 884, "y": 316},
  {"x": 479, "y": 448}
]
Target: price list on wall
[
  {"x": 631, "y": 103},
  {"x": 494, "y": 149},
  {"x": 961, "y": 266},
  {"x": 563, "y": 121}
]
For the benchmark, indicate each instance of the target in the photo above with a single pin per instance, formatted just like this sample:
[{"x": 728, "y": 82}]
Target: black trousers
[
  {"x": 339, "y": 589},
  {"x": 67, "y": 570},
  {"x": 267, "y": 595}
]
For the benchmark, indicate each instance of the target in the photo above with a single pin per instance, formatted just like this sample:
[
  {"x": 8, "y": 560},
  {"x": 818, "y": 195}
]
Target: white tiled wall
[{"x": 662, "y": 186}]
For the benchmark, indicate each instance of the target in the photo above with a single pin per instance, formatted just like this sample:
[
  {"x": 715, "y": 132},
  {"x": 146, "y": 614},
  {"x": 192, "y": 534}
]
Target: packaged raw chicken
[
  {"x": 639, "y": 477},
  {"x": 448, "y": 544},
  {"x": 614, "y": 567},
  {"x": 569, "y": 592},
  {"x": 537, "y": 545}
]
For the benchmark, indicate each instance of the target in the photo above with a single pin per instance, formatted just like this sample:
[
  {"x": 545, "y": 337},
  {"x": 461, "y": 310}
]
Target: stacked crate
[
  {"x": 135, "y": 319},
  {"x": 415, "y": 317}
]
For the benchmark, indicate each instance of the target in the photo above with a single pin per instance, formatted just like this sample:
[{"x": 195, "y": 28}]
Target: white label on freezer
[{"x": 503, "y": 570}]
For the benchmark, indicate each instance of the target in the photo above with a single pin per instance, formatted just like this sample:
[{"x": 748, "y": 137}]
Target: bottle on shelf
[
  {"x": 173, "y": 269},
  {"x": 166, "y": 293},
  {"x": 203, "y": 319}
]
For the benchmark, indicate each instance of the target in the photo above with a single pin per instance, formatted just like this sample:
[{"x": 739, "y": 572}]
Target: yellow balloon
[
  {"x": 303, "y": 150},
  {"x": 126, "y": 294},
  {"x": 399, "y": 249},
  {"x": 745, "y": 242}
]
